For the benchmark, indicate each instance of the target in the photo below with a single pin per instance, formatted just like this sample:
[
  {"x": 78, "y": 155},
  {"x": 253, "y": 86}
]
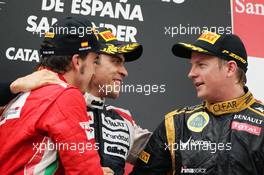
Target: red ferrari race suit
[
  {"x": 45, "y": 131},
  {"x": 225, "y": 138}
]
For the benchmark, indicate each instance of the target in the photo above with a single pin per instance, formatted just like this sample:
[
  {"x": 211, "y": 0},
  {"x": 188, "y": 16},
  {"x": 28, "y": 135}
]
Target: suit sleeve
[
  {"x": 155, "y": 159},
  {"x": 66, "y": 122},
  {"x": 141, "y": 137}
]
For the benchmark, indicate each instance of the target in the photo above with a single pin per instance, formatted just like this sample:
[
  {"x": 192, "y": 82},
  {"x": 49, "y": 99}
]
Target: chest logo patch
[
  {"x": 198, "y": 121},
  {"x": 239, "y": 126}
]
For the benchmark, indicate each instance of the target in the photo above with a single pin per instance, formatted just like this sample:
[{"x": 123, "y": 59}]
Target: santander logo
[{"x": 251, "y": 7}]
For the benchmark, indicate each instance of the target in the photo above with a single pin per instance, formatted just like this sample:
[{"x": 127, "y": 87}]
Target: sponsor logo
[
  {"x": 84, "y": 44},
  {"x": 260, "y": 109},
  {"x": 184, "y": 169},
  {"x": 49, "y": 52},
  {"x": 119, "y": 137},
  {"x": 198, "y": 121},
  {"x": 84, "y": 48},
  {"x": 194, "y": 48},
  {"x": 114, "y": 124},
  {"x": 251, "y": 8},
  {"x": 13, "y": 109},
  {"x": 234, "y": 56},
  {"x": 247, "y": 118},
  {"x": 251, "y": 11},
  {"x": 209, "y": 37},
  {"x": 255, "y": 130},
  {"x": 225, "y": 106},
  {"x": 185, "y": 144},
  {"x": 22, "y": 54},
  {"x": 144, "y": 156},
  {"x": 115, "y": 150},
  {"x": 88, "y": 129},
  {"x": 106, "y": 9},
  {"x": 49, "y": 35},
  {"x": 107, "y": 36}
]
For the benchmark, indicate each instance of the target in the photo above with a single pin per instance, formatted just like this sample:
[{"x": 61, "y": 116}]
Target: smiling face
[
  {"x": 210, "y": 79},
  {"x": 109, "y": 74}
]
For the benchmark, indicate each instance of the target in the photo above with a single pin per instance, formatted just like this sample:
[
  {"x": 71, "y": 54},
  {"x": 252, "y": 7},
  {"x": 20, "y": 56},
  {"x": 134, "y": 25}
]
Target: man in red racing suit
[{"x": 45, "y": 131}]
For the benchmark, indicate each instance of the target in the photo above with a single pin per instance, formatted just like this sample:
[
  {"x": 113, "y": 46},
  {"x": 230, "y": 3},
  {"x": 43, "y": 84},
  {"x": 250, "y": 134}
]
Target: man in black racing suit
[
  {"x": 222, "y": 136},
  {"x": 119, "y": 138}
]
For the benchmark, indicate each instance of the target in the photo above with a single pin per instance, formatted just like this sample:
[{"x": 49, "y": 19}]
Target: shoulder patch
[
  {"x": 122, "y": 112},
  {"x": 258, "y": 108},
  {"x": 144, "y": 156},
  {"x": 14, "y": 108}
]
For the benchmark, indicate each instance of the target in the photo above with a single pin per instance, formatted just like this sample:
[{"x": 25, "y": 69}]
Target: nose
[
  {"x": 123, "y": 71},
  {"x": 192, "y": 73}
]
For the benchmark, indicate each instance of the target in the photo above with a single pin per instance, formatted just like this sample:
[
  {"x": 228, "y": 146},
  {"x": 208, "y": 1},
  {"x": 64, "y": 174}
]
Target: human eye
[
  {"x": 117, "y": 60},
  {"x": 202, "y": 65}
]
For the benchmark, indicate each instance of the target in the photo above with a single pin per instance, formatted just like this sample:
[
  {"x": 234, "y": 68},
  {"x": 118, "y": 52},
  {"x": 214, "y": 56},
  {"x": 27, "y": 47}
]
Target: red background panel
[{"x": 250, "y": 27}]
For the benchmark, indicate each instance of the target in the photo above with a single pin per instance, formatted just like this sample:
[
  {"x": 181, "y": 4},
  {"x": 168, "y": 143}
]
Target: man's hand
[
  {"x": 108, "y": 171},
  {"x": 34, "y": 80}
]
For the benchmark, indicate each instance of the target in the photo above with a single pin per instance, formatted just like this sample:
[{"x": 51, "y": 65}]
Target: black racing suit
[
  {"x": 116, "y": 133},
  {"x": 225, "y": 138}
]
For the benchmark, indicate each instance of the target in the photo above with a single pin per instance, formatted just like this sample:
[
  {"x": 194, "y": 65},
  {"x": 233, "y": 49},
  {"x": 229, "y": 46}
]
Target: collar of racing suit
[
  {"x": 231, "y": 106},
  {"x": 93, "y": 101}
]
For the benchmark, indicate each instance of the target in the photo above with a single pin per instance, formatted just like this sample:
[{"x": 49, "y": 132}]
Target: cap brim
[
  {"x": 133, "y": 54},
  {"x": 185, "y": 50},
  {"x": 130, "y": 51}
]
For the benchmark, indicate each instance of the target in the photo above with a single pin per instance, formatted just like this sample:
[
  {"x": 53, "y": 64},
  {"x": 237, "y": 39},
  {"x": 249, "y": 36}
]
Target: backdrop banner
[{"x": 157, "y": 82}]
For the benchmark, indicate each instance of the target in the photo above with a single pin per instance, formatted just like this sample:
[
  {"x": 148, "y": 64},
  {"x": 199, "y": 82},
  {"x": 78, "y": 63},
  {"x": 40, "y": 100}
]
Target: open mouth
[
  {"x": 198, "y": 84},
  {"x": 117, "y": 81}
]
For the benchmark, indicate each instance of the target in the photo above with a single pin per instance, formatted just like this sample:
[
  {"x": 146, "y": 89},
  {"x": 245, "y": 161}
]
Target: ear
[
  {"x": 231, "y": 68},
  {"x": 76, "y": 62}
]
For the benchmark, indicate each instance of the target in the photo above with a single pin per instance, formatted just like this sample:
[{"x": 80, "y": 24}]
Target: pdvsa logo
[{"x": 175, "y": 1}]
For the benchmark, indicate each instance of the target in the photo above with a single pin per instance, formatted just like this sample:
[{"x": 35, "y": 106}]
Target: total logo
[{"x": 175, "y": 1}]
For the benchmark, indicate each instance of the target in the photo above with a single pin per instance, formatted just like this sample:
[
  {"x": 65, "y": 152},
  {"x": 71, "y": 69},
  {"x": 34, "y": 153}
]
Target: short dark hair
[
  {"x": 59, "y": 64},
  {"x": 241, "y": 75},
  {"x": 242, "y": 78}
]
